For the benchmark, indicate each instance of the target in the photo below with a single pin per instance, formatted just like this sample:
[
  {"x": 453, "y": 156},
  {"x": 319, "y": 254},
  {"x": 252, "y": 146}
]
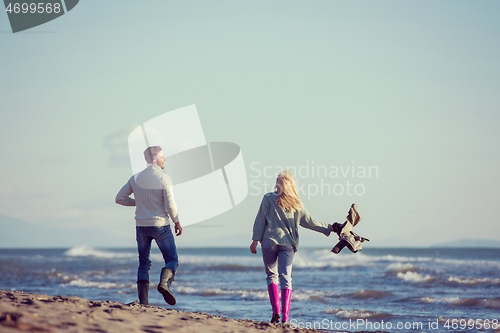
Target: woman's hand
[{"x": 253, "y": 247}]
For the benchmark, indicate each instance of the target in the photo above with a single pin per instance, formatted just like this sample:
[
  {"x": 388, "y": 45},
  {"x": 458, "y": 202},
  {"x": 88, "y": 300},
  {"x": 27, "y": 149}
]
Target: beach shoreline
[{"x": 21, "y": 312}]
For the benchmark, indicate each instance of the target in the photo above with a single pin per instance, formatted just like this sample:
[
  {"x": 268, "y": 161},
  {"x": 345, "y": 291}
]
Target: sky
[{"x": 405, "y": 89}]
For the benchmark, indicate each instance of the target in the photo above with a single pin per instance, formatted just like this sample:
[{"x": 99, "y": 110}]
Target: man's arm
[
  {"x": 171, "y": 208},
  {"x": 123, "y": 196}
]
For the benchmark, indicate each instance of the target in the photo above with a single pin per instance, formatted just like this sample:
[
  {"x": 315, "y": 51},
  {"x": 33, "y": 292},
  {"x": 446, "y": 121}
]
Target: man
[{"x": 154, "y": 203}]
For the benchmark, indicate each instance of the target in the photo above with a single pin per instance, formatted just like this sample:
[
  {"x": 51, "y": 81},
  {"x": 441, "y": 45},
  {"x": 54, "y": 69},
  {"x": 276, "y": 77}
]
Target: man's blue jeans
[{"x": 165, "y": 241}]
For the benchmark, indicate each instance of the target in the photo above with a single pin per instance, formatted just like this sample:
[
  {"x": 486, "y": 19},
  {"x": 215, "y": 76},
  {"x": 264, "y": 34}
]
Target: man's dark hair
[{"x": 151, "y": 153}]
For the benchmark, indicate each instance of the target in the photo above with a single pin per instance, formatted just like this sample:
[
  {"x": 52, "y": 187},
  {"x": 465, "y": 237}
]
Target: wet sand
[{"x": 24, "y": 312}]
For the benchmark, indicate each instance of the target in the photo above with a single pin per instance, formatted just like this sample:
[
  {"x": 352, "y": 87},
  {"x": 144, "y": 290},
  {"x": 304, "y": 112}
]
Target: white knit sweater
[{"x": 154, "y": 201}]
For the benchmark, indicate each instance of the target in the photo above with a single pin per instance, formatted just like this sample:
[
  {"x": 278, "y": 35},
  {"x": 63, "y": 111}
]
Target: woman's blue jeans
[
  {"x": 164, "y": 239},
  {"x": 278, "y": 260}
]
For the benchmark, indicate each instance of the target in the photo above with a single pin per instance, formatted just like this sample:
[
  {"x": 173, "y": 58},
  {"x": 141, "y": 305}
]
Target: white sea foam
[
  {"x": 474, "y": 280},
  {"x": 297, "y": 295},
  {"x": 325, "y": 258},
  {"x": 64, "y": 277},
  {"x": 474, "y": 263},
  {"x": 313, "y": 295},
  {"x": 401, "y": 267},
  {"x": 393, "y": 258},
  {"x": 366, "y": 294},
  {"x": 356, "y": 314},
  {"x": 101, "y": 285},
  {"x": 448, "y": 300},
  {"x": 458, "y": 301},
  {"x": 414, "y": 277},
  {"x": 221, "y": 260},
  {"x": 86, "y": 251},
  {"x": 317, "y": 259},
  {"x": 243, "y": 294}
]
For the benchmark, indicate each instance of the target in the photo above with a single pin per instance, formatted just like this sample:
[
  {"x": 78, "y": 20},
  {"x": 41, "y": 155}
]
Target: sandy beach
[{"x": 20, "y": 311}]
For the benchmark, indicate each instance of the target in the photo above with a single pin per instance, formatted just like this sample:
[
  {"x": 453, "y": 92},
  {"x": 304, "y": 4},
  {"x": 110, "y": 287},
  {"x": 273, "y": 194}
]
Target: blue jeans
[
  {"x": 165, "y": 241},
  {"x": 278, "y": 260}
]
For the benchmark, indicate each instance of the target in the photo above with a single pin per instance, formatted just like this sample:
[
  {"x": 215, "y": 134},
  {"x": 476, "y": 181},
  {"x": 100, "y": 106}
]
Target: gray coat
[{"x": 280, "y": 226}]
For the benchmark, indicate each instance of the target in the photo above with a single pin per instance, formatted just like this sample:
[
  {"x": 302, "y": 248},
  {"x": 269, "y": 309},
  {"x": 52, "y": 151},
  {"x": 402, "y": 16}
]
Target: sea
[{"x": 377, "y": 289}]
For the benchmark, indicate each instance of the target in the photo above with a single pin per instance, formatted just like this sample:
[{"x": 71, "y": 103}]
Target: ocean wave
[
  {"x": 221, "y": 261},
  {"x": 243, "y": 294},
  {"x": 252, "y": 263},
  {"x": 466, "y": 302},
  {"x": 395, "y": 262},
  {"x": 357, "y": 314},
  {"x": 475, "y": 263},
  {"x": 326, "y": 259},
  {"x": 401, "y": 268},
  {"x": 62, "y": 277},
  {"x": 57, "y": 276},
  {"x": 318, "y": 299},
  {"x": 312, "y": 295},
  {"x": 327, "y": 255},
  {"x": 451, "y": 300},
  {"x": 474, "y": 280},
  {"x": 394, "y": 258},
  {"x": 362, "y": 258},
  {"x": 86, "y": 251},
  {"x": 415, "y": 277},
  {"x": 366, "y": 294},
  {"x": 234, "y": 267},
  {"x": 297, "y": 295},
  {"x": 100, "y": 285}
]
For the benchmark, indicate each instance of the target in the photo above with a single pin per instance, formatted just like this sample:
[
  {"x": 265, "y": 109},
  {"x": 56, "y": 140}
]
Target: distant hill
[
  {"x": 471, "y": 243},
  {"x": 16, "y": 233}
]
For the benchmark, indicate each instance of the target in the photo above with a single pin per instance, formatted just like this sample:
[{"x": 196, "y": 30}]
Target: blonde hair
[{"x": 288, "y": 199}]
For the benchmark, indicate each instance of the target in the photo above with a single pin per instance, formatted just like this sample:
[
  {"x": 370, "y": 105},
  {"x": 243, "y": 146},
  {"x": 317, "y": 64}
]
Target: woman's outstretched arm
[{"x": 308, "y": 222}]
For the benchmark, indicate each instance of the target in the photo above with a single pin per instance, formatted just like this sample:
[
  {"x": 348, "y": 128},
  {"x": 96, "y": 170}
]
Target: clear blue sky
[{"x": 410, "y": 87}]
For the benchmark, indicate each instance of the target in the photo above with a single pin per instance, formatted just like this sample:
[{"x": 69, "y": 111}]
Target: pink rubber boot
[
  {"x": 275, "y": 302},
  {"x": 286, "y": 297}
]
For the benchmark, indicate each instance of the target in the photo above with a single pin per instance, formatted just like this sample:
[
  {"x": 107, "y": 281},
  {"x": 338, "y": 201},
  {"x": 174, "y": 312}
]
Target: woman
[{"x": 275, "y": 228}]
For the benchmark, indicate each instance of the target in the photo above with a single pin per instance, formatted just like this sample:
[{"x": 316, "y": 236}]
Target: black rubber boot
[
  {"x": 143, "y": 289},
  {"x": 340, "y": 245},
  {"x": 166, "y": 278}
]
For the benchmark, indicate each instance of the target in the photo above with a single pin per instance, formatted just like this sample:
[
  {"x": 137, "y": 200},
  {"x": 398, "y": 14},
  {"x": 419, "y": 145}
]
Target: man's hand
[
  {"x": 178, "y": 229},
  {"x": 253, "y": 247}
]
